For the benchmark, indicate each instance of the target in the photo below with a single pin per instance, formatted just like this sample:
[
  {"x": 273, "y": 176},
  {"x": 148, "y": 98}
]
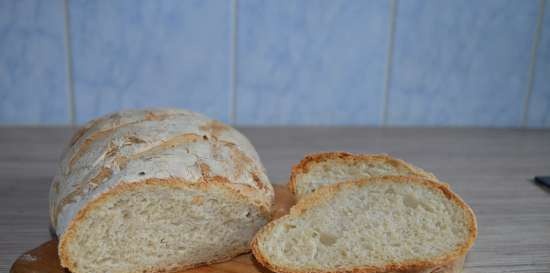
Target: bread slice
[
  {"x": 160, "y": 226},
  {"x": 320, "y": 169},
  {"x": 382, "y": 224}
]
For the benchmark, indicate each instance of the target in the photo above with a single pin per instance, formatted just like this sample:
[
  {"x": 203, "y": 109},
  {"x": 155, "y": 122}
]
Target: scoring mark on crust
[
  {"x": 116, "y": 117},
  {"x": 214, "y": 128},
  {"x": 101, "y": 177}
]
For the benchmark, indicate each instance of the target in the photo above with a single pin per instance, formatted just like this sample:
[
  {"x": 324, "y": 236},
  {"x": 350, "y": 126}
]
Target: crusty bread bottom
[
  {"x": 386, "y": 224},
  {"x": 159, "y": 226}
]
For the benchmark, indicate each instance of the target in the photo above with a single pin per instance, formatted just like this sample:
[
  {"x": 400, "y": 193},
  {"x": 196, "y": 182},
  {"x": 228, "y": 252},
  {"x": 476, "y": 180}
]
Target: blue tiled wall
[
  {"x": 461, "y": 62},
  {"x": 311, "y": 62},
  {"x": 151, "y": 53},
  {"x": 250, "y": 62},
  {"x": 33, "y": 72}
]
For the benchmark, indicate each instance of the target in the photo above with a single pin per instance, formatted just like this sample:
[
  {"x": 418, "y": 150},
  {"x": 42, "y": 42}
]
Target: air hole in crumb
[
  {"x": 211, "y": 202},
  {"x": 426, "y": 207},
  {"x": 248, "y": 214},
  {"x": 125, "y": 214},
  {"x": 348, "y": 211},
  {"x": 204, "y": 137},
  {"x": 286, "y": 249},
  {"x": 410, "y": 201},
  {"x": 390, "y": 191},
  {"x": 314, "y": 234},
  {"x": 327, "y": 239},
  {"x": 141, "y": 173},
  {"x": 289, "y": 227}
]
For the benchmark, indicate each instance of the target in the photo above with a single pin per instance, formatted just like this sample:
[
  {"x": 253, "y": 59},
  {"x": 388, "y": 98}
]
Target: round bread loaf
[{"x": 156, "y": 190}]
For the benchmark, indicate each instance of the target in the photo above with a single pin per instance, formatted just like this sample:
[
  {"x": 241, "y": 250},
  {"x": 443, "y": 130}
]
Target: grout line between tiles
[
  {"x": 233, "y": 83},
  {"x": 389, "y": 61},
  {"x": 69, "y": 64},
  {"x": 533, "y": 62}
]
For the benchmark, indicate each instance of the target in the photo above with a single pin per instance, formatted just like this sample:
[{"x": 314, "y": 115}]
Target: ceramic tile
[
  {"x": 461, "y": 62},
  {"x": 33, "y": 76},
  {"x": 130, "y": 54},
  {"x": 539, "y": 103},
  {"x": 311, "y": 62}
]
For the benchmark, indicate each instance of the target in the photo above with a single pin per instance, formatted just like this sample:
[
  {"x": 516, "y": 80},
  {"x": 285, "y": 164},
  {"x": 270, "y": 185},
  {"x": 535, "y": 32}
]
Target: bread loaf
[
  {"x": 383, "y": 224},
  {"x": 320, "y": 169},
  {"x": 156, "y": 191}
]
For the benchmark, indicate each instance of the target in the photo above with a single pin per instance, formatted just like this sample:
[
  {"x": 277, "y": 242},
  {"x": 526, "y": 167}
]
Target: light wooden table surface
[{"x": 490, "y": 168}]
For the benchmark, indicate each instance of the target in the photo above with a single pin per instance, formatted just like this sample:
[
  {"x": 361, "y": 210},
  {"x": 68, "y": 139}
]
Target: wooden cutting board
[{"x": 44, "y": 259}]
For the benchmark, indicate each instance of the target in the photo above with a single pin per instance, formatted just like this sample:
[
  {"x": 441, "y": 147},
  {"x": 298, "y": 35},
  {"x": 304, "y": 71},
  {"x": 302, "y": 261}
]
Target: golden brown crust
[
  {"x": 84, "y": 129},
  {"x": 86, "y": 144},
  {"x": 304, "y": 165},
  {"x": 70, "y": 233},
  {"x": 451, "y": 262},
  {"x": 180, "y": 268},
  {"x": 214, "y": 128}
]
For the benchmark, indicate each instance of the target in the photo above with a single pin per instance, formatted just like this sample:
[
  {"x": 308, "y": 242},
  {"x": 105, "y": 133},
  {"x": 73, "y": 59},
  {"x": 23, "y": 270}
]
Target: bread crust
[
  {"x": 304, "y": 165},
  {"x": 131, "y": 148},
  {"x": 450, "y": 262}
]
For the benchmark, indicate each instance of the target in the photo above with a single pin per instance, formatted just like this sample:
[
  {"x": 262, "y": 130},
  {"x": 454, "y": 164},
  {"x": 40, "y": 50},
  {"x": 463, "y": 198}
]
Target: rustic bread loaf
[
  {"x": 156, "y": 190},
  {"x": 320, "y": 169},
  {"x": 382, "y": 224}
]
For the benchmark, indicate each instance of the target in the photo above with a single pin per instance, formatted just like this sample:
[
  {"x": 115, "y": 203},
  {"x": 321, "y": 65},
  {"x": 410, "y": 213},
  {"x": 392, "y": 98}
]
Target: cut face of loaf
[
  {"x": 156, "y": 190},
  {"x": 386, "y": 224},
  {"x": 162, "y": 224},
  {"x": 320, "y": 169}
]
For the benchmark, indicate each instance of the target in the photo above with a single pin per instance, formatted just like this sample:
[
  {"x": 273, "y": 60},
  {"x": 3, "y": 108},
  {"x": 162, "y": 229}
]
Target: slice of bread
[
  {"x": 382, "y": 224},
  {"x": 320, "y": 169}
]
